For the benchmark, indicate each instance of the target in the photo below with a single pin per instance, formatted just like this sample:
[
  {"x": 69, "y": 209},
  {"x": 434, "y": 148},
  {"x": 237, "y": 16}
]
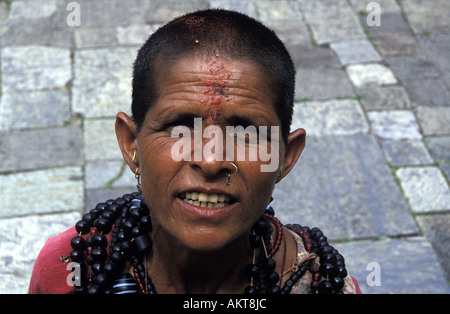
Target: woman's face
[{"x": 222, "y": 93}]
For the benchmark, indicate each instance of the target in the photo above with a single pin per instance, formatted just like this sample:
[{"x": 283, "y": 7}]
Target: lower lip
[{"x": 207, "y": 212}]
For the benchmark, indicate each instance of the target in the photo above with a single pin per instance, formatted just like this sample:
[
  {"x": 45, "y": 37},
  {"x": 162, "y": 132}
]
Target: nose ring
[{"x": 229, "y": 175}]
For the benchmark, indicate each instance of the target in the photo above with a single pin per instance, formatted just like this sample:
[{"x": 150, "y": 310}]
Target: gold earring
[
  {"x": 229, "y": 175},
  {"x": 134, "y": 156}
]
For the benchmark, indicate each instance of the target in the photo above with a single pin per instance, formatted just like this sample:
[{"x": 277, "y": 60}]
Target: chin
[{"x": 206, "y": 241}]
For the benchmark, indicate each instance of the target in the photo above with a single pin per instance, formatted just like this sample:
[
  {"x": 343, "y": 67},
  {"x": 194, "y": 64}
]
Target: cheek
[
  {"x": 156, "y": 165},
  {"x": 259, "y": 185}
]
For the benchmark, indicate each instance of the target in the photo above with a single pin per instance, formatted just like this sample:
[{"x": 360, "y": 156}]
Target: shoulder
[
  {"x": 50, "y": 272},
  {"x": 326, "y": 267}
]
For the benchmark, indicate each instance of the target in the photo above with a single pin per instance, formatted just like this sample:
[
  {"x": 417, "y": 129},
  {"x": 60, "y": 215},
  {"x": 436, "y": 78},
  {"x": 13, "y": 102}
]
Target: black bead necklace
[{"x": 130, "y": 241}]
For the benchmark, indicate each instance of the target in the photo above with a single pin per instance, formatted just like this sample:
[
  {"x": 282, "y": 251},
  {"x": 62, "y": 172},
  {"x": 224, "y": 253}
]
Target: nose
[{"x": 211, "y": 162}]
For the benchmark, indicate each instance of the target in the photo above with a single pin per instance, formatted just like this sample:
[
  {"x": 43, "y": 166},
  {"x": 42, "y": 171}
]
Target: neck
[{"x": 175, "y": 268}]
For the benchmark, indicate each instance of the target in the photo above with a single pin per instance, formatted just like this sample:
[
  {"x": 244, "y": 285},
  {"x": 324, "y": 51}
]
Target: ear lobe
[
  {"x": 127, "y": 139},
  {"x": 295, "y": 145}
]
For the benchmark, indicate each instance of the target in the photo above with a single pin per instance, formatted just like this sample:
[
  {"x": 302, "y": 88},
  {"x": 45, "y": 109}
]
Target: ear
[
  {"x": 127, "y": 138},
  {"x": 295, "y": 145}
]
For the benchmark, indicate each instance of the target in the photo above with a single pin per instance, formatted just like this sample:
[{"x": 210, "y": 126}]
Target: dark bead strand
[
  {"x": 129, "y": 240},
  {"x": 328, "y": 278}
]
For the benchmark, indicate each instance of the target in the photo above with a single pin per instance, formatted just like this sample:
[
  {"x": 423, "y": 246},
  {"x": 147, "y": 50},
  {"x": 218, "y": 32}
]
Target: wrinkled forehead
[{"x": 214, "y": 87}]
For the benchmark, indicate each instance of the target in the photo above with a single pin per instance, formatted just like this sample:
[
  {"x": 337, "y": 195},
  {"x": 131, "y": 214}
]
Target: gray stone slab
[
  {"x": 21, "y": 240},
  {"x": 95, "y": 37},
  {"x": 106, "y": 13},
  {"x": 42, "y": 191},
  {"x": 355, "y": 51},
  {"x": 37, "y": 31},
  {"x": 427, "y": 16},
  {"x": 100, "y": 141},
  {"x": 439, "y": 147},
  {"x": 95, "y": 196},
  {"x": 35, "y": 67},
  {"x": 338, "y": 117},
  {"x": 100, "y": 174},
  {"x": 386, "y": 6},
  {"x": 38, "y": 149},
  {"x": 326, "y": 28},
  {"x": 342, "y": 185},
  {"x": 428, "y": 92},
  {"x": 395, "y": 43},
  {"x": 406, "y": 266},
  {"x": 412, "y": 67},
  {"x": 402, "y": 153},
  {"x": 135, "y": 34},
  {"x": 292, "y": 32},
  {"x": 282, "y": 9},
  {"x": 102, "y": 84},
  {"x": 243, "y": 6},
  {"x": 34, "y": 109},
  {"x": 307, "y": 56},
  {"x": 4, "y": 11},
  {"x": 445, "y": 167},
  {"x": 362, "y": 74},
  {"x": 434, "y": 120},
  {"x": 322, "y": 84},
  {"x": 390, "y": 22},
  {"x": 383, "y": 97},
  {"x": 437, "y": 231},
  {"x": 426, "y": 189},
  {"x": 435, "y": 48},
  {"x": 394, "y": 124},
  {"x": 126, "y": 179},
  {"x": 32, "y": 9},
  {"x": 393, "y": 35},
  {"x": 162, "y": 11}
]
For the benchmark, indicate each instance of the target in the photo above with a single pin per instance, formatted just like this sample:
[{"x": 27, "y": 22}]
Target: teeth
[
  {"x": 203, "y": 197},
  {"x": 206, "y": 200},
  {"x": 213, "y": 198}
]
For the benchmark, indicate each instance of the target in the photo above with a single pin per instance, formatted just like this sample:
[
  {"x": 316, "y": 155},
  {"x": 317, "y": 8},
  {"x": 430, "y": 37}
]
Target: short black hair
[{"x": 234, "y": 35}]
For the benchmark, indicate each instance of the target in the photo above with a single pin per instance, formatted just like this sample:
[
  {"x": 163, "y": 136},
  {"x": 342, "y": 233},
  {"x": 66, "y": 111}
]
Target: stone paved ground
[{"x": 373, "y": 98}]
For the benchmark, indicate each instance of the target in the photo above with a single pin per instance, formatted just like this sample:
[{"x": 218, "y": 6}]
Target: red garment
[{"x": 50, "y": 273}]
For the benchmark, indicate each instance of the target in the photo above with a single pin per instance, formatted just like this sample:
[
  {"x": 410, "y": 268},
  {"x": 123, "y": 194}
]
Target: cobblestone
[
  {"x": 340, "y": 117},
  {"x": 100, "y": 142},
  {"x": 45, "y": 148},
  {"x": 374, "y": 96},
  {"x": 102, "y": 84},
  {"x": 22, "y": 110},
  {"x": 43, "y": 191},
  {"x": 434, "y": 120},
  {"x": 35, "y": 67},
  {"x": 355, "y": 51},
  {"x": 325, "y": 27},
  {"x": 403, "y": 153},
  {"x": 374, "y": 100},
  {"x": 425, "y": 188},
  {"x": 394, "y": 124},
  {"x": 361, "y": 74}
]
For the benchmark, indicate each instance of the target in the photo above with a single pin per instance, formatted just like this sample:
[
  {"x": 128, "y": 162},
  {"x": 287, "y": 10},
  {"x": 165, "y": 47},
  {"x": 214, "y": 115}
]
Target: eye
[
  {"x": 241, "y": 134},
  {"x": 181, "y": 120}
]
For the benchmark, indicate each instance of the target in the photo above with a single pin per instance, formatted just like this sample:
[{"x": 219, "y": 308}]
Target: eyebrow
[{"x": 240, "y": 120}]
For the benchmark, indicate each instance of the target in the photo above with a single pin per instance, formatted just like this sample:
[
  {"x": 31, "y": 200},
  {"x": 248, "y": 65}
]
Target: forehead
[
  {"x": 231, "y": 73},
  {"x": 214, "y": 83}
]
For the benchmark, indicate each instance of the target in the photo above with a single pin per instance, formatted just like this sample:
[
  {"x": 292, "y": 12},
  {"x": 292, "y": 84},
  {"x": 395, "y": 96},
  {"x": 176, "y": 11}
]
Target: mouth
[{"x": 210, "y": 200}]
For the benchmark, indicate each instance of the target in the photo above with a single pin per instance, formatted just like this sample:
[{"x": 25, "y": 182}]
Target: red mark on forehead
[
  {"x": 215, "y": 83},
  {"x": 216, "y": 100}
]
